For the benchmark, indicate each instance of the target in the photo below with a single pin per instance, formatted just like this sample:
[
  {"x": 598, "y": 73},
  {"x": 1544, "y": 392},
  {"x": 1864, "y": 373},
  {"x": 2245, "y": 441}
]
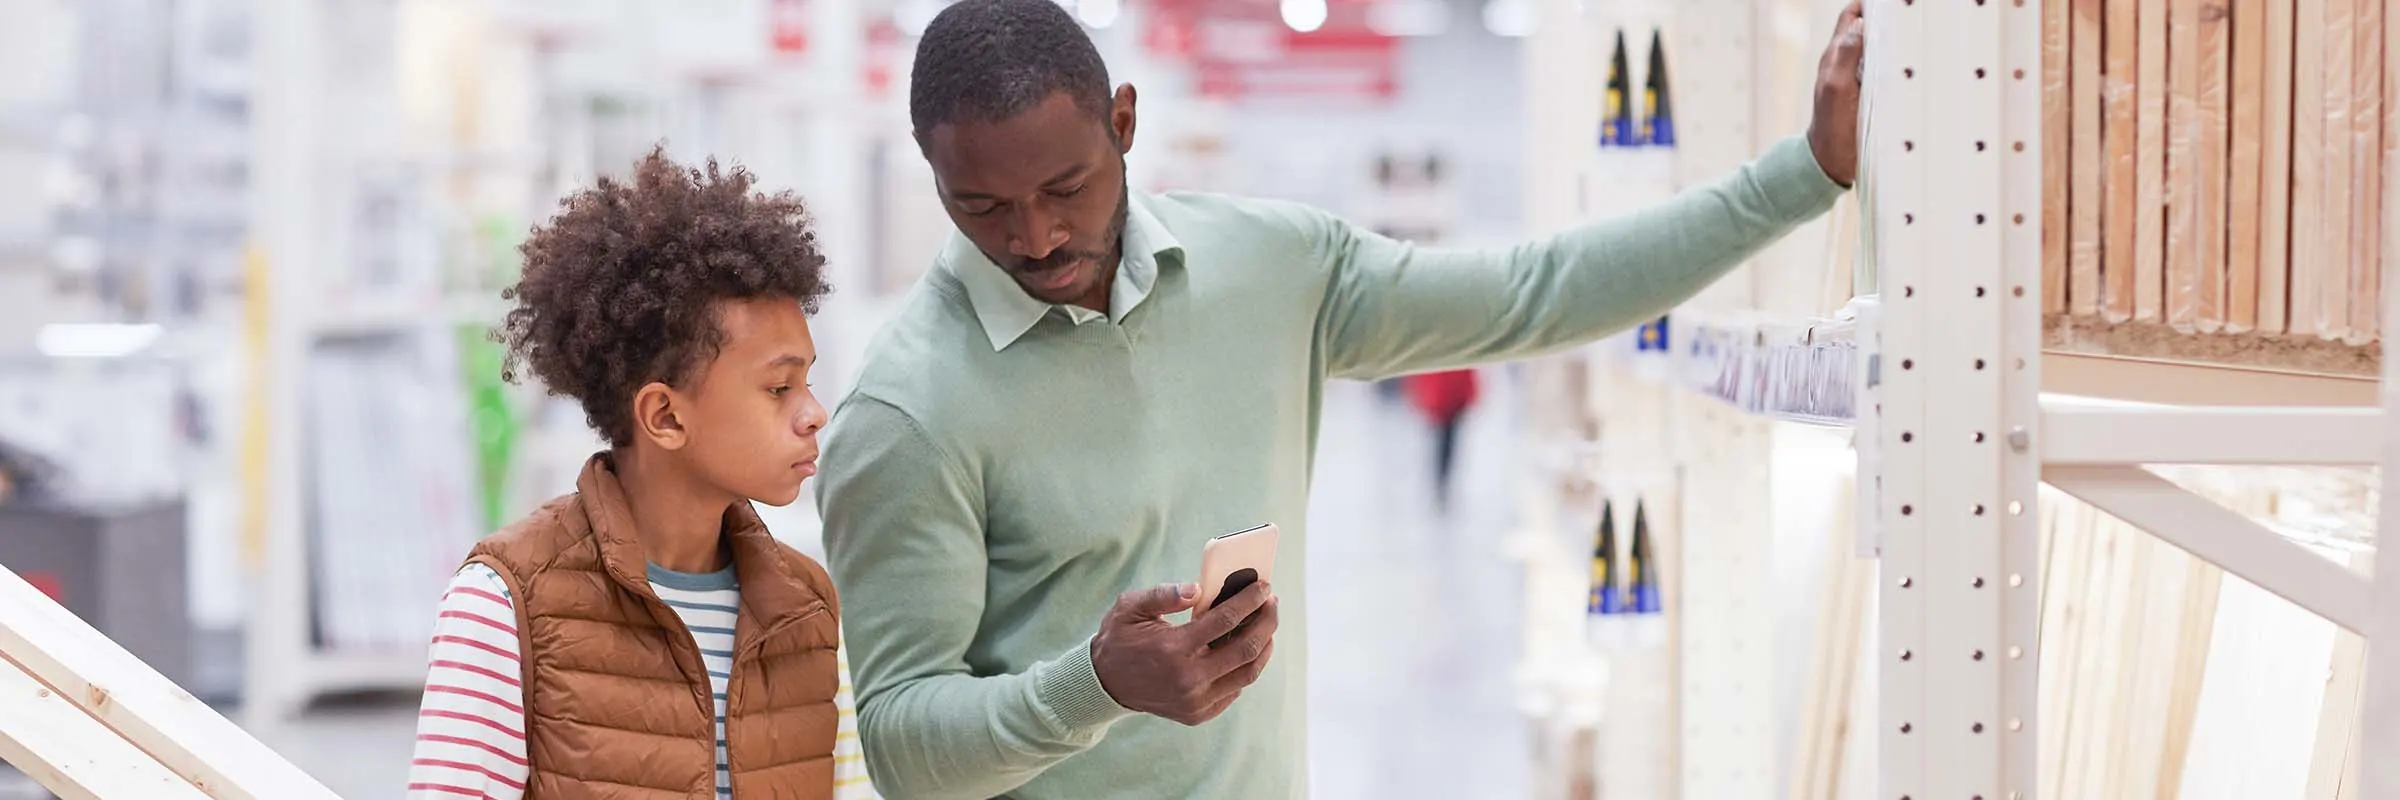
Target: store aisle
[
  {"x": 1415, "y": 624},
  {"x": 1414, "y": 631}
]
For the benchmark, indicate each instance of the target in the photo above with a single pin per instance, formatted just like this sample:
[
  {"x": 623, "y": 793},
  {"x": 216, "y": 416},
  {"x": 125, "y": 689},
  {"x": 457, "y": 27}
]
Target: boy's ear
[{"x": 654, "y": 416}]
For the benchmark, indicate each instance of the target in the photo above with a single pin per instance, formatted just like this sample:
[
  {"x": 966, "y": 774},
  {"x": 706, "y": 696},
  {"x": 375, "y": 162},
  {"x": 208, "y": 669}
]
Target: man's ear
[
  {"x": 1120, "y": 118},
  {"x": 655, "y": 407}
]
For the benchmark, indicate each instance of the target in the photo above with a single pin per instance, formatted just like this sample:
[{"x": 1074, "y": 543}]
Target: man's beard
[
  {"x": 1104, "y": 259},
  {"x": 1113, "y": 240}
]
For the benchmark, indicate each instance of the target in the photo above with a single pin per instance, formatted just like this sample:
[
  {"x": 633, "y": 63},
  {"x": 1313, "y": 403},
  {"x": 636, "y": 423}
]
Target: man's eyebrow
[
  {"x": 1064, "y": 175},
  {"x": 789, "y": 360}
]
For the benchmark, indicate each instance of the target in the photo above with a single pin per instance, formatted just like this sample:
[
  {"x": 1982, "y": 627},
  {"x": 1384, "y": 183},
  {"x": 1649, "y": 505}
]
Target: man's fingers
[
  {"x": 1246, "y": 645},
  {"x": 1214, "y": 623},
  {"x": 1138, "y": 605},
  {"x": 1245, "y": 674}
]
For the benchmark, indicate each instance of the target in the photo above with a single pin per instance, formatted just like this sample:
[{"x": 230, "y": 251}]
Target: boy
[{"x": 645, "y": 635}]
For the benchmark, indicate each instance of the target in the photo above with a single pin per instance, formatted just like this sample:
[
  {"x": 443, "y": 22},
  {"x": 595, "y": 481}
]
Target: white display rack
[
  {"x": 1966, "y": 432},
  {"x": 1959, "y": 415}
]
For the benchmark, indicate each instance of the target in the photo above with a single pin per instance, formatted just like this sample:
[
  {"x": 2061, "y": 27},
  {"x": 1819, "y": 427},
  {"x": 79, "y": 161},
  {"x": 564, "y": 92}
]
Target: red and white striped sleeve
[{"x": 471, "y": 729}]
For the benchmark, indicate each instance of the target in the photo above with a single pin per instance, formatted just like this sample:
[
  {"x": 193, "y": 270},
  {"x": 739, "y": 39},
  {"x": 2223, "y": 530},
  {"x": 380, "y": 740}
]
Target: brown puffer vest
[{"x": 617, "y": 703}]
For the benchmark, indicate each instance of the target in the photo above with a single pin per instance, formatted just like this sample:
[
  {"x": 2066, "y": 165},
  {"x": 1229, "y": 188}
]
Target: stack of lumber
[
  {"x": 2161, "y": 675},
  {"x": 2214, "y": 179}
]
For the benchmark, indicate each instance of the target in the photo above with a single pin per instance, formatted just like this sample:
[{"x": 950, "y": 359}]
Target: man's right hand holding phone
[{"x": 1157, "y": 667}]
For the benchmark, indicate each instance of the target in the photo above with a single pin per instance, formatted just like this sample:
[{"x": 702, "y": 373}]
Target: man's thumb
[{"x": 1161, "y": 600}]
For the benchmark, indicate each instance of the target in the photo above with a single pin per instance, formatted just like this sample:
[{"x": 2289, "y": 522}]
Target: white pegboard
[
  {"x": 1956, "y": 164},
  {"x": 1895, "y": 121}
]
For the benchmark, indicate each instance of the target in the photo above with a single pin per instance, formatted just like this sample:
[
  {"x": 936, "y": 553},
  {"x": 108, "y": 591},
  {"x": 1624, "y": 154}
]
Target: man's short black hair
[{"x": 989, "y": 60}]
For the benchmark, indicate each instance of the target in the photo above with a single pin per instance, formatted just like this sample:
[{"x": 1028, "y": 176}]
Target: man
[{"x": 1093, "y": 382}]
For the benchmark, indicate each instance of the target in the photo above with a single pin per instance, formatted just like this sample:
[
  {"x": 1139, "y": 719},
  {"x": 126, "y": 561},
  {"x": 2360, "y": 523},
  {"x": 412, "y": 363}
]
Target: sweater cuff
[
  {"x": 1070, "y": 689},
  {"x": 1795, "y": 183}
]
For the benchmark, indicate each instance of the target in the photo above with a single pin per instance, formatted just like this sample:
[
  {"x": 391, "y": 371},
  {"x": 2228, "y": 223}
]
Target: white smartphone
[{"x": 1230, "y": 563}]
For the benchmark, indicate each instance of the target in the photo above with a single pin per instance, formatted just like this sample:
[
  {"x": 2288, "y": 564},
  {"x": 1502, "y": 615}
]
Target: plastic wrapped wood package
[{"x": 2215, "y": 182}]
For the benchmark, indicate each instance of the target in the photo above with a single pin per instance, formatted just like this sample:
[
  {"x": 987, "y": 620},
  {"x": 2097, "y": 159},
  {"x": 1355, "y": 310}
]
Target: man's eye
[
  {"x": 1069, "y": 192},
  {"x": 779, "y": 390}
]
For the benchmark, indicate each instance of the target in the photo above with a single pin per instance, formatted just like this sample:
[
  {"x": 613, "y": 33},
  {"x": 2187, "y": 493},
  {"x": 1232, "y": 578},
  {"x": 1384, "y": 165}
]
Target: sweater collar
[
  {"x": 769, "y": 590},
  {"x": 1006, "y": 312}
]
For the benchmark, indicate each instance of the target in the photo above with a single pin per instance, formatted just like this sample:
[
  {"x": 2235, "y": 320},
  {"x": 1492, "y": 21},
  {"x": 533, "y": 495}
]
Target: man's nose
[{"x": 1035, "y": 234}]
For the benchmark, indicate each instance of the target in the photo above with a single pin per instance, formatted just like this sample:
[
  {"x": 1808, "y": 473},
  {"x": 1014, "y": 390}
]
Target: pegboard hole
[
  {"x": 1977, "y": 655},
  {"x": 1908, "y": 146},
  {"x": 1908, "y": 363},
  {"x": 1909, "y": 291},
  {"x": 1908, "y": 72},
  {"x": 1907, "y": 582},
  {"x": 1978, "y": 728},
  {"x": 1979, "y": 291},
  {"x": 1979, "y": 73},
  {"x": 2015, "y": 652},
  {"x": 1906, "y": 728},
  {"x": 2015, "y": 580},
  {"x": 2020, "y": 146},
  {"x": 1907, "y": 655},
  {"x": 2020, "y": 363},
  {"x": 1908, "y": 219},
  {"x": 2015, "y": 725},
  {"x": 1907, "y": 510},
  {"x": 1979, "y": 365},
  {"x": 2018, "y": 290},
  {"x": 1906, "y": 437},
  {"x": 2016, "y": 508},
  {"x": 1979, "y": 146},
  {"x": 2018, "y": 219},
  {"x": 1979, "y": 437},
  {"x": 2020, "y": 74},
  {"x": 1978, "y": 509},
  {"x": 1980, "y": 219},
  {"x": 1977, "y": 583}
]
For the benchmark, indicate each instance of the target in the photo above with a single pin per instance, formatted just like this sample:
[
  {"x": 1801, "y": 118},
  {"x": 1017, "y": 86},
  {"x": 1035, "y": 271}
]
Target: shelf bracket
[
  {"x": 2219, "y": 536},
  {"x": 2081, "y": 434}
]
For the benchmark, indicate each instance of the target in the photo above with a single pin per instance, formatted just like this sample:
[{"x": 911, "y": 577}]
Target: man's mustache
[{"x": 1053, "y": 260}]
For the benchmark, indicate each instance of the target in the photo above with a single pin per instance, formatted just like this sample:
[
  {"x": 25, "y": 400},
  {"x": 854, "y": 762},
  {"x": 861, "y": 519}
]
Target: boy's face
[{"x": 748, "y": 424}]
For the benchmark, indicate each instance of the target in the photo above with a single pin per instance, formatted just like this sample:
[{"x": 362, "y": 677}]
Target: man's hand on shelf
[{"x": 1833, "y": 131}]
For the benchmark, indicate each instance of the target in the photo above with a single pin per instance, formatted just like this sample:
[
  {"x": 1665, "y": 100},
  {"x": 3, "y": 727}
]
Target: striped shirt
[{"x": 471, "y": 729}]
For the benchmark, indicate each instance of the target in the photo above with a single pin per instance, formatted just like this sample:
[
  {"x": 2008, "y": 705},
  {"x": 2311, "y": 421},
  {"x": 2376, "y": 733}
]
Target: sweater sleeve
[
  {"x": 471, "y": 728},
  {"x": 904, "y": 537},
  {"x": 1393, "y": 308}
]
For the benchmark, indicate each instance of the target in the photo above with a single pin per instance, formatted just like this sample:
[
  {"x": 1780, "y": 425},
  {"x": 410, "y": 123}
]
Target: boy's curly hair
[{"x": 621, "y": 288}]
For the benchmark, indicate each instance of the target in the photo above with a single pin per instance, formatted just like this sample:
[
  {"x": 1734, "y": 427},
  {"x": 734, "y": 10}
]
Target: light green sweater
[{"x": 1005, "y": 469}]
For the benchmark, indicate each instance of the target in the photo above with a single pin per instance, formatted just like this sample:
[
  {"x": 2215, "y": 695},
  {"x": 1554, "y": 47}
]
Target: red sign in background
[
  {"x": 1242, "y": 48},
  {"x": 49, "y": 585}
]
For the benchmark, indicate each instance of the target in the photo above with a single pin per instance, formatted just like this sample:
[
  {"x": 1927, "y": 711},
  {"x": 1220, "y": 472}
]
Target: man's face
[{"x": 1042, "y": 194}]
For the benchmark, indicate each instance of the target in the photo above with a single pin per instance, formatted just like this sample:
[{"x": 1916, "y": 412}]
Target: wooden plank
[
  {"x": 2184, "y": 142},
  {"x": 2148, "y": 697},
  {"x": 2332, "y": 279},
  {"x": 2216, "y": 131},
  {"x": 2341, "y": 174},
  {"x": 2337, "y": 718},
  {"x": 2199, "y": 624},
  {"x": 68, "y": 752},
  {"x": 2058, "y": 151},
  {"x": 141, "y": 705},
  {"x": 2275, "y": 172},
  {"x": 2151, "y": 148},
  {"x": 2308, "y": 162},
  {"x": 2066, "y": 589},
  {"x": 2086, "y": 206},
  {"x": 2366, "y": 159},
  {"x": 2247, "y": 201}
]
